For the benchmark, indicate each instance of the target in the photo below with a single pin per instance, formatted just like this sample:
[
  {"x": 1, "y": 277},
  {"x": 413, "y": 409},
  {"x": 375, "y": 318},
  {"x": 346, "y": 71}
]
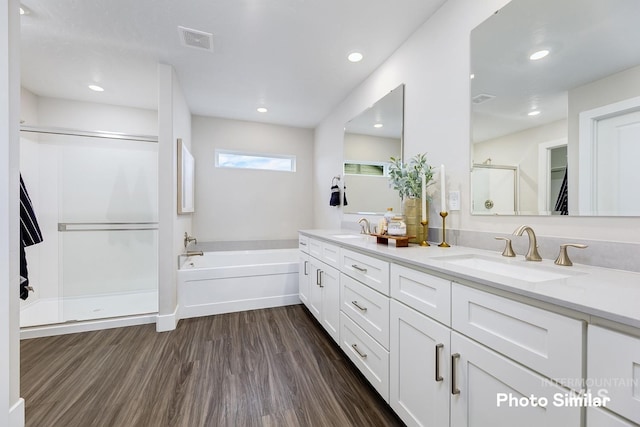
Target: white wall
[
  {"x": 11, "y": 406},
  {"x": 434, "y": 65},
  {"x": 243, "y": 204},
  {"x": 174, "y": 121}
]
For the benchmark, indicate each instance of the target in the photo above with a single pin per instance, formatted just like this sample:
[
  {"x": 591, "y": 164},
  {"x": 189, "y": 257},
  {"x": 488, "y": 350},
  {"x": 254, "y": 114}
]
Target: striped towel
[{"x": 30, "y": 234}]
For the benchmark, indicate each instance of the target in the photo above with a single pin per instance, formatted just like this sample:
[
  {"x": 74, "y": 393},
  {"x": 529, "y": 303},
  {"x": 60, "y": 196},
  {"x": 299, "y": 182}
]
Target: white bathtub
[{"x": 228, "y": 281}]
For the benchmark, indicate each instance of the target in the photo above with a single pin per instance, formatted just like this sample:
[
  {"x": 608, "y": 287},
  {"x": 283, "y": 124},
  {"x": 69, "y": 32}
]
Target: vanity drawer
[
  {"x": 546, "y": 342},
  {"x": 366, "y": 307},
  {"x": 370, "y": 357},
  {"x": 325, "y": 252},
  {"x": 371, "y": 271},
  {"x": 613, "y": 363},
  {"x": 303, "y": 243},
  {"x": 426, "y": 293}
]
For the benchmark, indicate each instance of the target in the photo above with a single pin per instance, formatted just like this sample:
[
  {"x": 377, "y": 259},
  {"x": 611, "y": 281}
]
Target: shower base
[{"x": 58, "y": 312}]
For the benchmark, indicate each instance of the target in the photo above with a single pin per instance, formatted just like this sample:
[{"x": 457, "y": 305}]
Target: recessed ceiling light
[
  {"x": 355, "y": 57},
  {"x": 539, "y": 54},
  {"x": 534, "y": 113},
  {"x": 261, "y": 110},
  {"x": 96, "y": 88},
  {"x": 378, "y": 125}
]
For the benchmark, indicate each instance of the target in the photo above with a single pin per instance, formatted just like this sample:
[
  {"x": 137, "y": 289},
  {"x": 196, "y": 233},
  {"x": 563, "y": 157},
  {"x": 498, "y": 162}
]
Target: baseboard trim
[
  {"x": 167, "y": 322},
  {"x": 16, "y": 414}
]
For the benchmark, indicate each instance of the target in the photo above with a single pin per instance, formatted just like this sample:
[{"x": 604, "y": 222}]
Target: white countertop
[{"x": 606, "y": 293}]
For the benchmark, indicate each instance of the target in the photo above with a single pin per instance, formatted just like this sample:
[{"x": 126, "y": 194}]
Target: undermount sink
[
  {"x": 349, "y": 236},
  {"x": 512, "y": 268}
]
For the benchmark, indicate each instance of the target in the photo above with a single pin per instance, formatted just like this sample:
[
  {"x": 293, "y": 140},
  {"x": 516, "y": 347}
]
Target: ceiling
[
  {"x": 587, "y": 39},
  {"x": 286, "y": 55}
]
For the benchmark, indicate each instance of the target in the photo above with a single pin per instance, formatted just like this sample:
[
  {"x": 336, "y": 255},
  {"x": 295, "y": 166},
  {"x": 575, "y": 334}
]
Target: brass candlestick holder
[
  {"x": 444, "y": 243},
  {"x": 425, "y": 231}
]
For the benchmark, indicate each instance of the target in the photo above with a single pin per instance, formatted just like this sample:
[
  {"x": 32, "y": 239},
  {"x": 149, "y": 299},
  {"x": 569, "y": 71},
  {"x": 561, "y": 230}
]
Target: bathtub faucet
[{"x": 188, "y": 239}]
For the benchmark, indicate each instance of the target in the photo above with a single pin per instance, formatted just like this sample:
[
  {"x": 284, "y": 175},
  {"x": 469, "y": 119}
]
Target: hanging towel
[
  {"x": 335, "y": 196},
  {"x": 562, "y": 203},
  {"x": 344, "y": 196},
  {"x": 30, "y": 234}
]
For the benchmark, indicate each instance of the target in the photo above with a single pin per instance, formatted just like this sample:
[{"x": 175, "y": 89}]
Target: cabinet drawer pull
[
  {"x": 438, "y": 376},
  {"x": 318, "y": 278},
  {"x": 355, "y": 347},
  {"x": 320, "y": 273},
  {"x": 361, "y": 308},
  {"x": 306, "y": 272},
  {"x": 302, "y": 243},
  {"x": 360, "y": 269},
  {"x": 454, "y": 387}
]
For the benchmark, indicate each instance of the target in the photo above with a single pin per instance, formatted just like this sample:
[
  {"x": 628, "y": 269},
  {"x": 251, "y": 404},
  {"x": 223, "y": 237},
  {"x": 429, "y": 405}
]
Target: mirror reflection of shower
[
  {"x": 95, "y": 197},
  {"x": 494, "y": 189}
]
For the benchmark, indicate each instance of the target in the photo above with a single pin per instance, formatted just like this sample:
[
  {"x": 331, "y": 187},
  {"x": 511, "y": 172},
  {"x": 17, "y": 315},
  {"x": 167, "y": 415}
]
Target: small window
[
  {"x": 365, "y": 168},
  {"x": 240, "y": 160}
]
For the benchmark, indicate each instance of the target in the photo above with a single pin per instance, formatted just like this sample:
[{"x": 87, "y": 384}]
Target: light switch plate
[{"x": 454, "y": 200}]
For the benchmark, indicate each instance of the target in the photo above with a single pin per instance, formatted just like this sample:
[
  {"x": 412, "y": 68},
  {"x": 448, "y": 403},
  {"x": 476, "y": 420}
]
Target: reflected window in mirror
[
  {"x": 529, "y": 111},
  {"x": 370, "y": 140}
]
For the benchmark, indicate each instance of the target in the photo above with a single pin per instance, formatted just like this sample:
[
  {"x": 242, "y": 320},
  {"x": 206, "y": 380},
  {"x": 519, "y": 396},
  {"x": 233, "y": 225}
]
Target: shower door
[{"x": 98, "y": 201}]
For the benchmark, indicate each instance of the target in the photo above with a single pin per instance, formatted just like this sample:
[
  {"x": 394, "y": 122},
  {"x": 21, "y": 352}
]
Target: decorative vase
[{"x": 413, "y": 212}]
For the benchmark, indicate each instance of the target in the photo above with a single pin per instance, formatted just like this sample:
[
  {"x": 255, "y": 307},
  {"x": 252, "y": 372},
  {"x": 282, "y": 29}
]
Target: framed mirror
[
  {"x": 555, "y": 94},
  {"x": 370, "y": 140}
]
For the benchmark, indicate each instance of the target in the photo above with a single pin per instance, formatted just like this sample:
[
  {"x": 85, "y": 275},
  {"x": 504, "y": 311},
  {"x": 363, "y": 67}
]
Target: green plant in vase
[{"x": 406, "y": 178}]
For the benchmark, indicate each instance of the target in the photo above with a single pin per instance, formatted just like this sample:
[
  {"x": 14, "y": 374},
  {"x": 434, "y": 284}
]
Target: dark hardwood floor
[{"x": 273, "y": 367}]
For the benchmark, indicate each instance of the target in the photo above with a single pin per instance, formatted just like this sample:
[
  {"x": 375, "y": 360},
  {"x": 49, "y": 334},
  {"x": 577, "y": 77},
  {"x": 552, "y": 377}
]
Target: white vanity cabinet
[
  {"x": 419, "y": 358},
  {"x": 319, "y": 282},
  {"x": 613, "y": 367},
  {"x": 304, "y": 277},
  {"x": 324, "y": 297},
  {"x": 364, "y": 305},
  {"x": 488, "y": 389}
]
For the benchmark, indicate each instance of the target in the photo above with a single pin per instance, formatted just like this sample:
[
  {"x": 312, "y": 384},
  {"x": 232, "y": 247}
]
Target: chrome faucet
[
  {"x": 366, "y": 228},
  {"x": 188, "y": 239},
  {"x": 532, "y": 253}
]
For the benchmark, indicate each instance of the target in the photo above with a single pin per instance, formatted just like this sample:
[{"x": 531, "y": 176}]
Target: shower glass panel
[
  {"x": 494, "y": 189},
  {"x": 96, "y": 202}
]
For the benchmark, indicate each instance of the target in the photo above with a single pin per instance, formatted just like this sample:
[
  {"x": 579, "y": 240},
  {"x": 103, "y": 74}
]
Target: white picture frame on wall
[{"x": 186, "y": 179}]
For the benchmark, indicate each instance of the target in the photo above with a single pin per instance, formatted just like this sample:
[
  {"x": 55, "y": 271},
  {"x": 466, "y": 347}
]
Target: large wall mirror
[
  {"x": 370, "y": 140},
  {"x": 555, "y": 99}
]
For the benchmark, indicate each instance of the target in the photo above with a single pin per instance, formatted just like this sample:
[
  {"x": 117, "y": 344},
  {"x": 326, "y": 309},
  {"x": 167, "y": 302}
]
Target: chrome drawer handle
[
  {"x": 319, "y": 277},
  {"x": 355, "y": 347},
  {"x": 360, "y": 269},
  {"x": 454, "y": 387},
  {"x": 361, "y": 308},
  {"x": 303, "y": 244},
  {"x": 306, "y": 263},
  {"x": 438, "y": 376}
]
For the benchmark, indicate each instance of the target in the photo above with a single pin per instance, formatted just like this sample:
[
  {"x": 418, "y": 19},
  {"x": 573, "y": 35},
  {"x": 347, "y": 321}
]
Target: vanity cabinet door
[
  {"x": 613, "y": 364},
  {"x": 324, "y": 296},
  {"x": 480, "y": 377},
  {"x": 304, "y": 278},
  {"x": 419, "y": 377}
]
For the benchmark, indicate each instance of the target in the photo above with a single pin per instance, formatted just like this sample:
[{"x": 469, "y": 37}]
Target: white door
[
  {"x": 490, "y": 390},
  {"x": 419, "y": 368},
  {"x": 616, "y": 171}
]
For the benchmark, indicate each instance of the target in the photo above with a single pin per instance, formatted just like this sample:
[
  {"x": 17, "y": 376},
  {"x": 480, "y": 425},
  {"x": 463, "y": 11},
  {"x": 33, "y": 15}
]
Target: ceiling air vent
[
  {"x": 196, "y": 39},
  {"x": 483, "y": 97}
]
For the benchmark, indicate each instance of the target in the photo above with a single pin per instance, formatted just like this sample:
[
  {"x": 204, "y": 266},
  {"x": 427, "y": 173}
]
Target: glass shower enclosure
[{"x": 95, "y": 196}]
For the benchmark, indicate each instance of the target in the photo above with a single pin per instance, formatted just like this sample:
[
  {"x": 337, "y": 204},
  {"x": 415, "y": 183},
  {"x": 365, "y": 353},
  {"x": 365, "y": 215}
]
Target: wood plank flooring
[{"x": 273, "y": 367}]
